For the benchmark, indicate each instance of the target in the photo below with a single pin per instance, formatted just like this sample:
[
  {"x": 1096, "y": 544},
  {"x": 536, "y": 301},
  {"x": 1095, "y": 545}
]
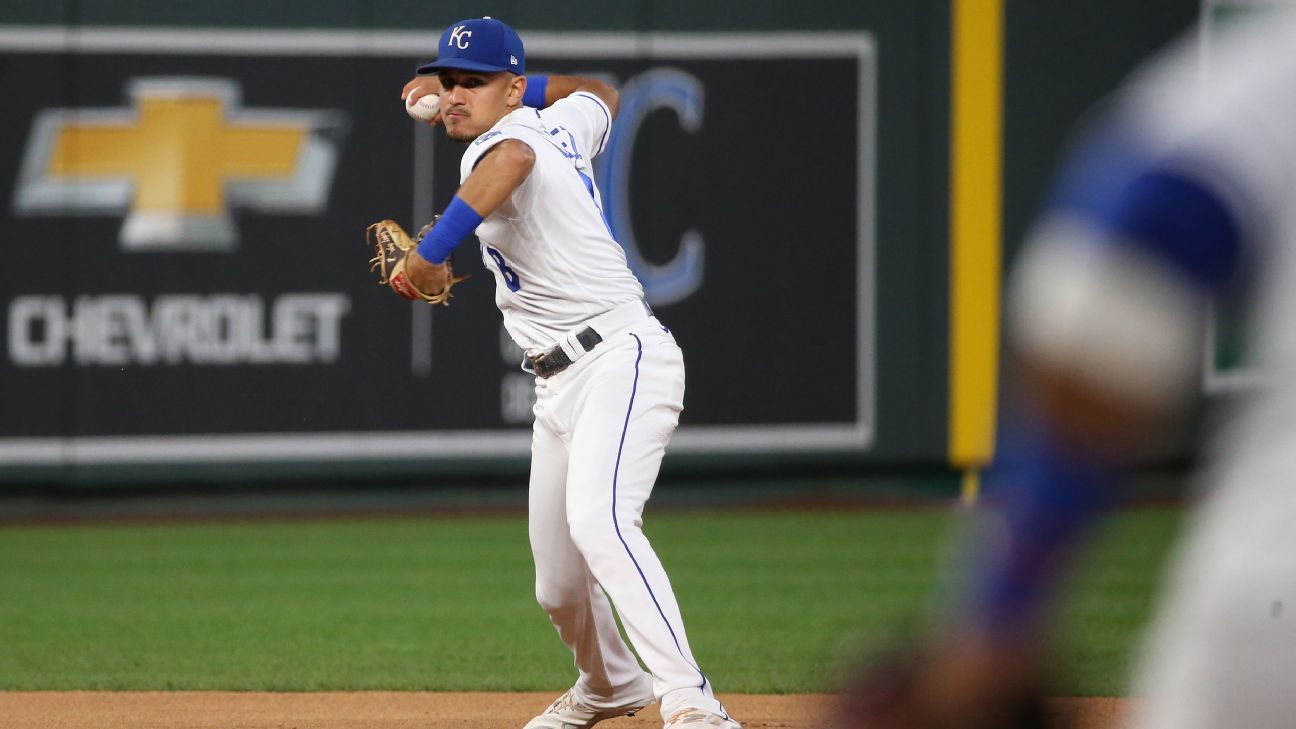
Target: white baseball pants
[
  {"x": 601, "y": 430},
  {"x": 1222, "y": 651}
]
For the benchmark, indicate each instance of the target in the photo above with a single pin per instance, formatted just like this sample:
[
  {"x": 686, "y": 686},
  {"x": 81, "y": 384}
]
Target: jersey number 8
[{"x": 510, "y": 276}]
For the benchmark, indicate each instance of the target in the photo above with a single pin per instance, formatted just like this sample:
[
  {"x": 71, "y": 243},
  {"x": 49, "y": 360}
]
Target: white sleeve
[
  {"x": 1229, "y": 119},
  {"x": 586, "y": 117}
]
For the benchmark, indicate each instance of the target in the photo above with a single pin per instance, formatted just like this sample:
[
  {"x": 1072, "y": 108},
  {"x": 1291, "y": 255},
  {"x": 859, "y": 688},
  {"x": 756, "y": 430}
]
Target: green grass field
[{"x": 773, "y": 602}]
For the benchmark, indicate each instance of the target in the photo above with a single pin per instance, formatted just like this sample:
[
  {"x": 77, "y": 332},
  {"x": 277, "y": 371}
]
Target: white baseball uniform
[
  {"x": 602, "y": 424},
  {"x": 1222, "y": 652}
]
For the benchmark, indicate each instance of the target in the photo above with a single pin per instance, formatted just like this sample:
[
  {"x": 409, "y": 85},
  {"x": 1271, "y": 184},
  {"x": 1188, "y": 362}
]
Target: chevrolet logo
[{"x": 177, "y": 161}]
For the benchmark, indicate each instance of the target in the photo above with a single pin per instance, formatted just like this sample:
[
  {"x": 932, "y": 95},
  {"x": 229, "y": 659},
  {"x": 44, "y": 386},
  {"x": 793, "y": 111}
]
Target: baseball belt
[{"x": 579, "y": 342}]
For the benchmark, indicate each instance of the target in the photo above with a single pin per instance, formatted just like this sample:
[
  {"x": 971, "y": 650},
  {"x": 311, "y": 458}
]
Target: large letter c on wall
[{"x": 659, "y": 88}]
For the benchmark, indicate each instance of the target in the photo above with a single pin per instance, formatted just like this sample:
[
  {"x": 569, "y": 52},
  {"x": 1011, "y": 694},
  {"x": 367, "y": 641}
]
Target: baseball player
[
  {"x": 609, "y": 376},
  {"x": 1188, "y": 180}
]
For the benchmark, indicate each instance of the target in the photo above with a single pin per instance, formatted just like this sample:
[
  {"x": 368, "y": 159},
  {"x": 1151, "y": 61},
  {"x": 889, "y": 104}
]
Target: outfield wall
[{"x": 186, "y": 187}]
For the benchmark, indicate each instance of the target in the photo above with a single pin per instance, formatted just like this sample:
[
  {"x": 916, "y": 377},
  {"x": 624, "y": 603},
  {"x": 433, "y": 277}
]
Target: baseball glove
[{"x": 392, "y": 245}]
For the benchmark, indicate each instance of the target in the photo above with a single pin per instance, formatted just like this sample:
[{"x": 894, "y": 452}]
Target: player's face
[{"x": 471, "y": 102}]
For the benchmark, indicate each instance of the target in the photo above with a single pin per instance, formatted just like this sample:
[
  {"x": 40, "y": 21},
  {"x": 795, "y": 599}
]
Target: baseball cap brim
[{"x": 462, "y": 64}]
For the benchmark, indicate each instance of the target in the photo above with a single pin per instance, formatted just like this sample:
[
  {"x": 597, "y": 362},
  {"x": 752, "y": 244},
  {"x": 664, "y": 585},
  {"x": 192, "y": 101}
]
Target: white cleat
[
  {"x": 570, "y": 711},
  {"x": 699, "y": 719}
]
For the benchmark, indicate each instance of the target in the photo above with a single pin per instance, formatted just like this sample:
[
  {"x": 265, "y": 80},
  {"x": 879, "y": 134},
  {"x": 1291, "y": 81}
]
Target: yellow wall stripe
[{"x": 976, "y": 86}]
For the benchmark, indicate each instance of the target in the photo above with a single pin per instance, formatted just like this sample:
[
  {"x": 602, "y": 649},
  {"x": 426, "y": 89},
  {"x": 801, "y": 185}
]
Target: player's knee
[
  {"x": 600, "y": 534},
  {"x": 593, "y": 541},
  {"x": 558, "y": 596},
  {"x": 593, "y": 536},
  {"x": 553, "y": 601}
]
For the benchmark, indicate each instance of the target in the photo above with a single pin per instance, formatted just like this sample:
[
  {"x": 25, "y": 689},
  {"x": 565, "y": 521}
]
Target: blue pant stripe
[{"x": 617, "y": 525}]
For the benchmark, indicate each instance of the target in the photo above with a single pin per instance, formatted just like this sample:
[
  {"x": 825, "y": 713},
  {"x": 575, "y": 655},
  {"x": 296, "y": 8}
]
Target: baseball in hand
[{"x": 425, "y": 109}]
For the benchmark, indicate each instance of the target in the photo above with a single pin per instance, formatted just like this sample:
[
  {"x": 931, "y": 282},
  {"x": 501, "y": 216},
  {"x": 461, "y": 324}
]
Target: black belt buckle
[{"x": 556, "y": 360}]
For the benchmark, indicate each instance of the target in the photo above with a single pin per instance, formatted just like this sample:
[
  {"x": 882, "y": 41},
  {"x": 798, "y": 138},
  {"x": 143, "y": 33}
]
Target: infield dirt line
[{"x": 405, "y": 710}]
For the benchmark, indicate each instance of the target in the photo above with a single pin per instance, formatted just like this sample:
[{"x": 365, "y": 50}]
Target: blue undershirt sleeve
[
  {"x": 534, "y": 96},
  {"x": 1153, "y": 204}
]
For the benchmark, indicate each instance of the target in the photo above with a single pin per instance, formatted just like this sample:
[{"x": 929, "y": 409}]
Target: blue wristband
[
  {"x": 1047, "y": 496},
  {"x": 534, "y": 96},
  {"x": 457, "y": 222}
]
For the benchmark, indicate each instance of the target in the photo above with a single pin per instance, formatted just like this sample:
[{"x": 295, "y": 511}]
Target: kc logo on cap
[{"x": 460, "y": 36}]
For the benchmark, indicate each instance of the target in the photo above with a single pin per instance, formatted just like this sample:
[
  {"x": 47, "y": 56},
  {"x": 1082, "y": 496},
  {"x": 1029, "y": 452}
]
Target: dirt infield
[{"x": 389, "y": 710}]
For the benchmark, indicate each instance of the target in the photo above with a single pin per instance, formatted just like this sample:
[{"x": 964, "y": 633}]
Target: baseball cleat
[
  {"x": 700, "y": 719},
  {"x": 570, "y": 711}
]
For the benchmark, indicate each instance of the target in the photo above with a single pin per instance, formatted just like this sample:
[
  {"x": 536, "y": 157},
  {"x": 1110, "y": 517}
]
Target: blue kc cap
[{"x": 479, "y": 44}]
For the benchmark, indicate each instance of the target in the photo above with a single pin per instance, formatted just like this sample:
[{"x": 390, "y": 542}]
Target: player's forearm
[
  {"x": 1105, "y": 314},
  {"x": 498, "y": 174},
  {"x": 558, "y": 87}
]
